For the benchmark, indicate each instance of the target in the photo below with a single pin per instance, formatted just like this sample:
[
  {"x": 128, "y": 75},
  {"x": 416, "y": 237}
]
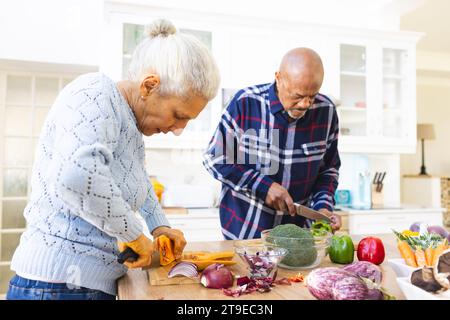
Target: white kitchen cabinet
[
  {"x": 371, "y": 73},
  {"x": 377, "y": 95},
  {"x": 385, "y": 220},
  {"x": 198, "y": 224}
]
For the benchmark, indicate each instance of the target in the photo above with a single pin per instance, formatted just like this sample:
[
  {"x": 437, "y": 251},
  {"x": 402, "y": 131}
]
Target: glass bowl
[
  {"x": 303, "y": 253},
  {"x": 262, "y": 261}
]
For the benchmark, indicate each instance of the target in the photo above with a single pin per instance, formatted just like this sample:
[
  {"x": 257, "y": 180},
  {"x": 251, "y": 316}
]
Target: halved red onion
[{"x": 187, "y": 269}]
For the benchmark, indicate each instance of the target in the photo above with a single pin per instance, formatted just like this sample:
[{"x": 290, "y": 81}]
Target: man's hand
[
  {"x": 279, "y": 199},
  {"x": 335, "y": 219},
  {"x": 143, "y": 246},
  {"x": 173, "y": 234}
]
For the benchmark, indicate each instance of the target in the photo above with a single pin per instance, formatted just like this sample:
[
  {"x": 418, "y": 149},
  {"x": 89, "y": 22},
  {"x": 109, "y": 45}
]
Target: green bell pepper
[
  {"x": 341, "y": 249},
  {"x": 321, "y": 228}
]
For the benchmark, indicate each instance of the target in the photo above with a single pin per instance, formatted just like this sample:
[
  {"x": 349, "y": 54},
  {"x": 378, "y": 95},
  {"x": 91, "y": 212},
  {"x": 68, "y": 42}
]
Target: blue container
[{"x": 343, "y": 197}]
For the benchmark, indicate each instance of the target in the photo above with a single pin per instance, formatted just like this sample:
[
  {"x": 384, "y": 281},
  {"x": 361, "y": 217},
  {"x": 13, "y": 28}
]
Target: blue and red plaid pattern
[{"x": 255, "y": 145}]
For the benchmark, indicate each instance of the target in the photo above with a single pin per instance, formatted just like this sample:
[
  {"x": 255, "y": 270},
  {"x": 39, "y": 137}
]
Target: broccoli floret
[{"x": 301, "y": 250}]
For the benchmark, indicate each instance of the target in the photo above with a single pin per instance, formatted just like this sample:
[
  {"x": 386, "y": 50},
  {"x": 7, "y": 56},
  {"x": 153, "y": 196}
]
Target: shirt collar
[{"x": 275, "y": 104}]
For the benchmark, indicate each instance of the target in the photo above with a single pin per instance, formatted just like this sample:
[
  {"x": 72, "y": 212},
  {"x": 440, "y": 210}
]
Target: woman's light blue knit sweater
[{"x": 88, "y": 185}]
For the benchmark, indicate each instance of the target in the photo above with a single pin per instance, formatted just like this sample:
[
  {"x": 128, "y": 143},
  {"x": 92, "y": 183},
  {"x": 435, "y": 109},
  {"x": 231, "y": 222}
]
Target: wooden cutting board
[{"x": 158, "y": 277}]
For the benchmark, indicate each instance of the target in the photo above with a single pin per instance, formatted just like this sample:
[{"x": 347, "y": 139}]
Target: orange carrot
[
  {"x": 437, "y": 252},
  {"x": 420, "y": 257},
  {"x": 429, "y": 255},
  {"x": 407, "y": 253}
]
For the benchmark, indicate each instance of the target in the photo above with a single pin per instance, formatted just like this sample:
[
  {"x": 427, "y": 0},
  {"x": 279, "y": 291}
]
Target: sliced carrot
[
  {"x": 429, "y": 256},
  {"x": 437, "y": 252},
  {"x": 420, "y": 257},
  {"x": 407, "y": 253}
]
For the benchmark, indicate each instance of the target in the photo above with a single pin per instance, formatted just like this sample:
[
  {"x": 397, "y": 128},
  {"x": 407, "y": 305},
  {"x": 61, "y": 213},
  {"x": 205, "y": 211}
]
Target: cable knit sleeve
[
  {"x": 88, "y": 130},
  {"x": 152, "y": 212}
]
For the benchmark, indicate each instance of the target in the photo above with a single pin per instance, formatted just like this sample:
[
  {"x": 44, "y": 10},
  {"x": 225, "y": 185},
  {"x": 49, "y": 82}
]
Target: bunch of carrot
[{"x": 420, "y": 250}]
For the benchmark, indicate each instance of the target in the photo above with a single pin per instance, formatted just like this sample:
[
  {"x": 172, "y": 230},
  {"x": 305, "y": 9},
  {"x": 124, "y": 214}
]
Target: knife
[
  {"x": 309, "y": 213},
  {"x": 127, "y": 255}
]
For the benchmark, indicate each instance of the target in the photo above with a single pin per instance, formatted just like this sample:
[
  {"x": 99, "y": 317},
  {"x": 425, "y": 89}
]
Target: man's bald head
[
  {"x": 302, "y": 63},
  {"x": 299, "y": 80}
]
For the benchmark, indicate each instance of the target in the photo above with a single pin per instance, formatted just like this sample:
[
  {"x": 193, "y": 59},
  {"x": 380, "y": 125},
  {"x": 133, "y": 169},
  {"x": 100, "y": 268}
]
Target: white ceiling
[{"x": 432, "y": 18}]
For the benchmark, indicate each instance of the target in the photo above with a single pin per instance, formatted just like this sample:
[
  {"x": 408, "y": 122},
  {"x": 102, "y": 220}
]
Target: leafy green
[
  {"x": 298, "y": 241},
  {"x": 422, "y": 241}
]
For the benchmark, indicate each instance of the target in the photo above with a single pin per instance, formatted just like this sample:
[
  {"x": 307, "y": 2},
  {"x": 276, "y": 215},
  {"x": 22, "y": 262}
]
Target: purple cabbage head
[{"x": 367, "y": 270}]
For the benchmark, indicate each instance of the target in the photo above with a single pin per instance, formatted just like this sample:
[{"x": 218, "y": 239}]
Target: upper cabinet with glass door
[
  {"x": 197, "y": 131},
  {"x": 353, "y": 74},
  {"x": 377, "y": 112},
  {"x": 394, "y": 88}
]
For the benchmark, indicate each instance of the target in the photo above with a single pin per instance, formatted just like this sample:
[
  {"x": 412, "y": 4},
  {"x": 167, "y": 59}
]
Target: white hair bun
[{"x": 160, "y": 28}]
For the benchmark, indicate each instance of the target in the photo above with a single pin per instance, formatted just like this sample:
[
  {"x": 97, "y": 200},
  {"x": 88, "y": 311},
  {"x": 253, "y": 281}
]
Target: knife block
[{"x": 377, "y": 196}]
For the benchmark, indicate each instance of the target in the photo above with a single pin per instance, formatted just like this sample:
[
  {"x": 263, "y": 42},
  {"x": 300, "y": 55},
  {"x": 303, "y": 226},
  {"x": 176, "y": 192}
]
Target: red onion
[
  {"x": 216, "y": 276},
  {"x": 186, "y": 269}
]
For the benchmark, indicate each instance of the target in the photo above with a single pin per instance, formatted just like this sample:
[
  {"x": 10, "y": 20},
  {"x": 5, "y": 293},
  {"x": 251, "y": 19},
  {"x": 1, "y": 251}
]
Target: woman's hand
[
  {"x": 173, "y": 234},
  {"x": 144, "y": 247}
]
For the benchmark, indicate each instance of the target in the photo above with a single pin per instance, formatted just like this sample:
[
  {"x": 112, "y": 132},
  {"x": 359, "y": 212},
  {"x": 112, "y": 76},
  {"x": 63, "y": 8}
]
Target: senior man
[{"x": 276, "y": 144}]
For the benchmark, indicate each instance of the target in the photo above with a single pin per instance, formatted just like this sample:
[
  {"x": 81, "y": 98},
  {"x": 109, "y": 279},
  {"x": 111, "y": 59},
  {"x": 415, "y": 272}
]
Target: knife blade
[{"x": 309, "y": 213}]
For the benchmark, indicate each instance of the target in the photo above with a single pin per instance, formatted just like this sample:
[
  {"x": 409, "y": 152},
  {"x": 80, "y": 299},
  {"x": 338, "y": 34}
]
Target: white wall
[
  {"x": 53, "y": 31},
  {"x": 352, "y": 164},
  {"x": 433, "y": 106}
]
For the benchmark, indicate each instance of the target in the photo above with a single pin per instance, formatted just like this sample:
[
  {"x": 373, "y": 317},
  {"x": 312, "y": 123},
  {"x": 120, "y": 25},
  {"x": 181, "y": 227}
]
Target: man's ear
[
  {"x": 150, "y": 83},
  {"x": 277, "y": 76}
]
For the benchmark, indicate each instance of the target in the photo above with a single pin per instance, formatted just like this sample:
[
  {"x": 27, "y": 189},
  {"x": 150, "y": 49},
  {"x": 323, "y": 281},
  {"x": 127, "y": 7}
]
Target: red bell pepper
[{"x": 371, "y": 249}]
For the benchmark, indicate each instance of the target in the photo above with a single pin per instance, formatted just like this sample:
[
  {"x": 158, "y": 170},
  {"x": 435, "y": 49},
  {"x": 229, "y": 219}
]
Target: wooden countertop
[{"x": 135, "y": 285}]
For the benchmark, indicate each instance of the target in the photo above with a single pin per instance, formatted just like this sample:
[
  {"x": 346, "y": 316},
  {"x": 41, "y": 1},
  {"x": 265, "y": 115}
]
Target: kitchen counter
[
  {"x": 135, "y": 285},
  {"x": 391, "y": 210}
]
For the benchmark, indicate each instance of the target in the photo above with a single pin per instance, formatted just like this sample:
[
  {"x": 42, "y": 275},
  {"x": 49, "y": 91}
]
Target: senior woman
[{"x": 89, "y": 181}]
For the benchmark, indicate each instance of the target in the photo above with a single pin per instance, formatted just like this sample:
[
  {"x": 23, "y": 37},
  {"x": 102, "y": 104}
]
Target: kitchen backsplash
[
  {"x": 186, "y": 181},
  {"x": 178, "y": 170}
]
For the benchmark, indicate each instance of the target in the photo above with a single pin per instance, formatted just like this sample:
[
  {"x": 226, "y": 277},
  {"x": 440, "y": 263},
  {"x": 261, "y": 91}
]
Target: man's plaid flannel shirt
[{"x": 255, "y": 145}]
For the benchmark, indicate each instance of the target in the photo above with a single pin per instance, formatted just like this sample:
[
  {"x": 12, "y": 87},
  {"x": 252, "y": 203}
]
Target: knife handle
[{"x": 127, "y": 255}]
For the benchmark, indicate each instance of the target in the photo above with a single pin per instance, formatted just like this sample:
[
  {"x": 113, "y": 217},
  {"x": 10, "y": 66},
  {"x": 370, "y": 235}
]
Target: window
[{"x": 25, "y": 99}]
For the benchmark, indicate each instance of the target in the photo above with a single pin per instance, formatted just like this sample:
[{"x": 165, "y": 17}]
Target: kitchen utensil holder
[{"x": 377, "y": 196}]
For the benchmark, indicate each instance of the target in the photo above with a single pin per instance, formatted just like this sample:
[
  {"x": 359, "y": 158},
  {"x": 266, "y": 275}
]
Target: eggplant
[
  {"x": 367, "y": 270},
  {"x": 320, "y": 281},
  {"x": 374, "y": 294},
  {"x": 349, "y": 288}
]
